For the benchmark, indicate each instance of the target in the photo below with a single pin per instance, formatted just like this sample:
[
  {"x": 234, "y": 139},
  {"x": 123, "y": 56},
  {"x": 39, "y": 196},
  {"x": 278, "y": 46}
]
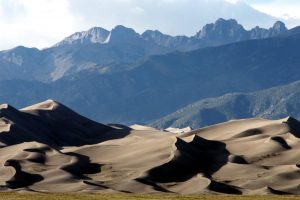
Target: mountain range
[
  {"x": 101, "y": 50},
  {"x": 121, "y": 76},
  {"x": 218, "y": 33}
]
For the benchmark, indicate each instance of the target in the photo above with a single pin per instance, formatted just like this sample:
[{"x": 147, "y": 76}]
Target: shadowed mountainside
[
  {"x": 162, "y": 84},
  {"x": 271, "y": 103}
]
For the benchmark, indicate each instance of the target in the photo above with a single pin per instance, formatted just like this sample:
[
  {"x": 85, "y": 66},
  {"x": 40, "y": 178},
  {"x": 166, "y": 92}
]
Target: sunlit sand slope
[{"x": 49, "y": 148}]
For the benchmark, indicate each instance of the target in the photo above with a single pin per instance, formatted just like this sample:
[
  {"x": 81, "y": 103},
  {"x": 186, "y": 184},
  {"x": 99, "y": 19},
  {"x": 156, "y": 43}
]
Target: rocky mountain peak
[
  {"x": 222, "y": 29},
  {"x": 278, "y": 28},
  {"x": 93, "y": 35},
  {"x": 122, "y": 34},
  {"x": 152, "y": 34}
]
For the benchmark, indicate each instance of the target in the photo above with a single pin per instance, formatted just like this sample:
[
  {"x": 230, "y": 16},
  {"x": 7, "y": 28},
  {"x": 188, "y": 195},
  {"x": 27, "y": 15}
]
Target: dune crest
[
  {"x": 47, "y": 147},
  {"x": 46, "y": 105}
]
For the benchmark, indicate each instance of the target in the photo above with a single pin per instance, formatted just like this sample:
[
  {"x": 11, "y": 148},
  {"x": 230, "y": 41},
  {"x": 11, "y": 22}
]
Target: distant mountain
[
  {"x": 94, "y": 35},
  {"x": 81, "y": 51},
  {"x": 219, "y": 33},
  {"x": 103, "y": 51},
  {"x": 165, "y": 83},
  {"x": 271, "y": 103},
  {"x": 229, "y": 31},
  {"x": 162, "y": 84}
]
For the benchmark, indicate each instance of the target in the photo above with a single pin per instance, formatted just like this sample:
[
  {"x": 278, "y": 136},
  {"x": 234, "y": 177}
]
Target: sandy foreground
[{"x": 49, "y": 148}]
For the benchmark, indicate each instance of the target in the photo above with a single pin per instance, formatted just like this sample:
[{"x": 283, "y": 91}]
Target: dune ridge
[{"x": 47, "y": 147}]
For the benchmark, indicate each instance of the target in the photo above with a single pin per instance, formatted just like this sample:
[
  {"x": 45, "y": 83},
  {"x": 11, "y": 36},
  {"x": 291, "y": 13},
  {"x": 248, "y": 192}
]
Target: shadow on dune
[
  {"x": 55, "y": 127},
  {"x": 21, "y": 178},
  {"x": 294, "y": 126},
  {"x": 79, "y": 166},
  {"x": 199, "y": 156},
  {"x": 223, "y": 188},
  {"x": 82, "y": 166}
]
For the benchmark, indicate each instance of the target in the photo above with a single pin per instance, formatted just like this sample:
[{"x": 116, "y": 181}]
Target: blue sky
[{"x": 41, "y": 23}]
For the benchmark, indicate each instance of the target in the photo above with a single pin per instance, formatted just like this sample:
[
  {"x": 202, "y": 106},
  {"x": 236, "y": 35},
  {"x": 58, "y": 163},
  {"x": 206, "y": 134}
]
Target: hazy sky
[
  {"x": 278, "y": 8},
  {"x": 41, "y": 23}
]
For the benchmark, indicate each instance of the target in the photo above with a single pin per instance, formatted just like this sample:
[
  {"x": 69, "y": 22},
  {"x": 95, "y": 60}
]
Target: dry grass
[{"x": 18, "y": 196}]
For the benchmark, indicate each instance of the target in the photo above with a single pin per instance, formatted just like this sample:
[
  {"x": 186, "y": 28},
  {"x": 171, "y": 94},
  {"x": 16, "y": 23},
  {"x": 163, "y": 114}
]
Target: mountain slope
[
  {"x": 103, "y": 51},
  {"x": 162, "y": 84},
  {"x": 81, "y": 51},
  {"x": 151, "y": 88},
  {"x": 272, "y": 103}
]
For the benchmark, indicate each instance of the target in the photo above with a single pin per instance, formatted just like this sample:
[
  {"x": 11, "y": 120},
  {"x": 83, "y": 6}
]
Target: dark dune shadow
[
  {"x": 277, "y": 192},
  {"x": 21, "y": 178},
  {"x": 249, "y": 133},
  {"x": 281, "y": 142},
  {"x": 79, "y": 168},
  {"x": 238, "y": 160},
  {"x": 294, "y": 126},
  {"x": 224, "y": 188},
  {"x": 56, "y": 128},
  {"x": 198, "y": 156},
  {"x": 82, "y": 166}
]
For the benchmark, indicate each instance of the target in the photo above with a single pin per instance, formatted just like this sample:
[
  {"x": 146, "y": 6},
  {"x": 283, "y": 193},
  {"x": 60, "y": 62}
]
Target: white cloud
[
  {"x": 34, "y": 22},
  {"x": 232, "y": 1},
  {"x": 287, "y": 10},
  {"x": 279, "y": 8}
]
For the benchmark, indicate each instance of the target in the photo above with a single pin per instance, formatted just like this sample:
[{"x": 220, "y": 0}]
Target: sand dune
[{"x": 49, "y": 148}]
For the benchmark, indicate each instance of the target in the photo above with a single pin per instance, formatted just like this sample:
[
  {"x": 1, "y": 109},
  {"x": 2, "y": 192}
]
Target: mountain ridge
[
  {"x": 101, "y": 51},
  {"x": 117, "y": 79},
  {"x": 220, "y": 29},
  {"x": 162, "y": 84},
  {"x": 272, "y": 103}
]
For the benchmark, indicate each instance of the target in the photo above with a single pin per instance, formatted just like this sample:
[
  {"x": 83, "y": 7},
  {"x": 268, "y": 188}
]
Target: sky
[
  {"x": 277, "y": 8},
  {"x": 42, "y": 23}
]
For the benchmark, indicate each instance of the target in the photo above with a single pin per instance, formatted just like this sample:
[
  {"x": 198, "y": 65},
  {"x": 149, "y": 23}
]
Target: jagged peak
[
  {"x": 155, "y": 35},
  {"x": 279, "y": 25},
  {"x": 97, "y": 28},
  {"x": 221, "y": 21},
  {"x": 154, "y": 32},
  {"x": 93, "y": 30},
  {"x": 220, "y": 24},
  {"x": 93, "y": 35},
  {"x": 123, "y": 29},
  {"x": 256, "y": 28},
  {"x": 122, "y": 34}
]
